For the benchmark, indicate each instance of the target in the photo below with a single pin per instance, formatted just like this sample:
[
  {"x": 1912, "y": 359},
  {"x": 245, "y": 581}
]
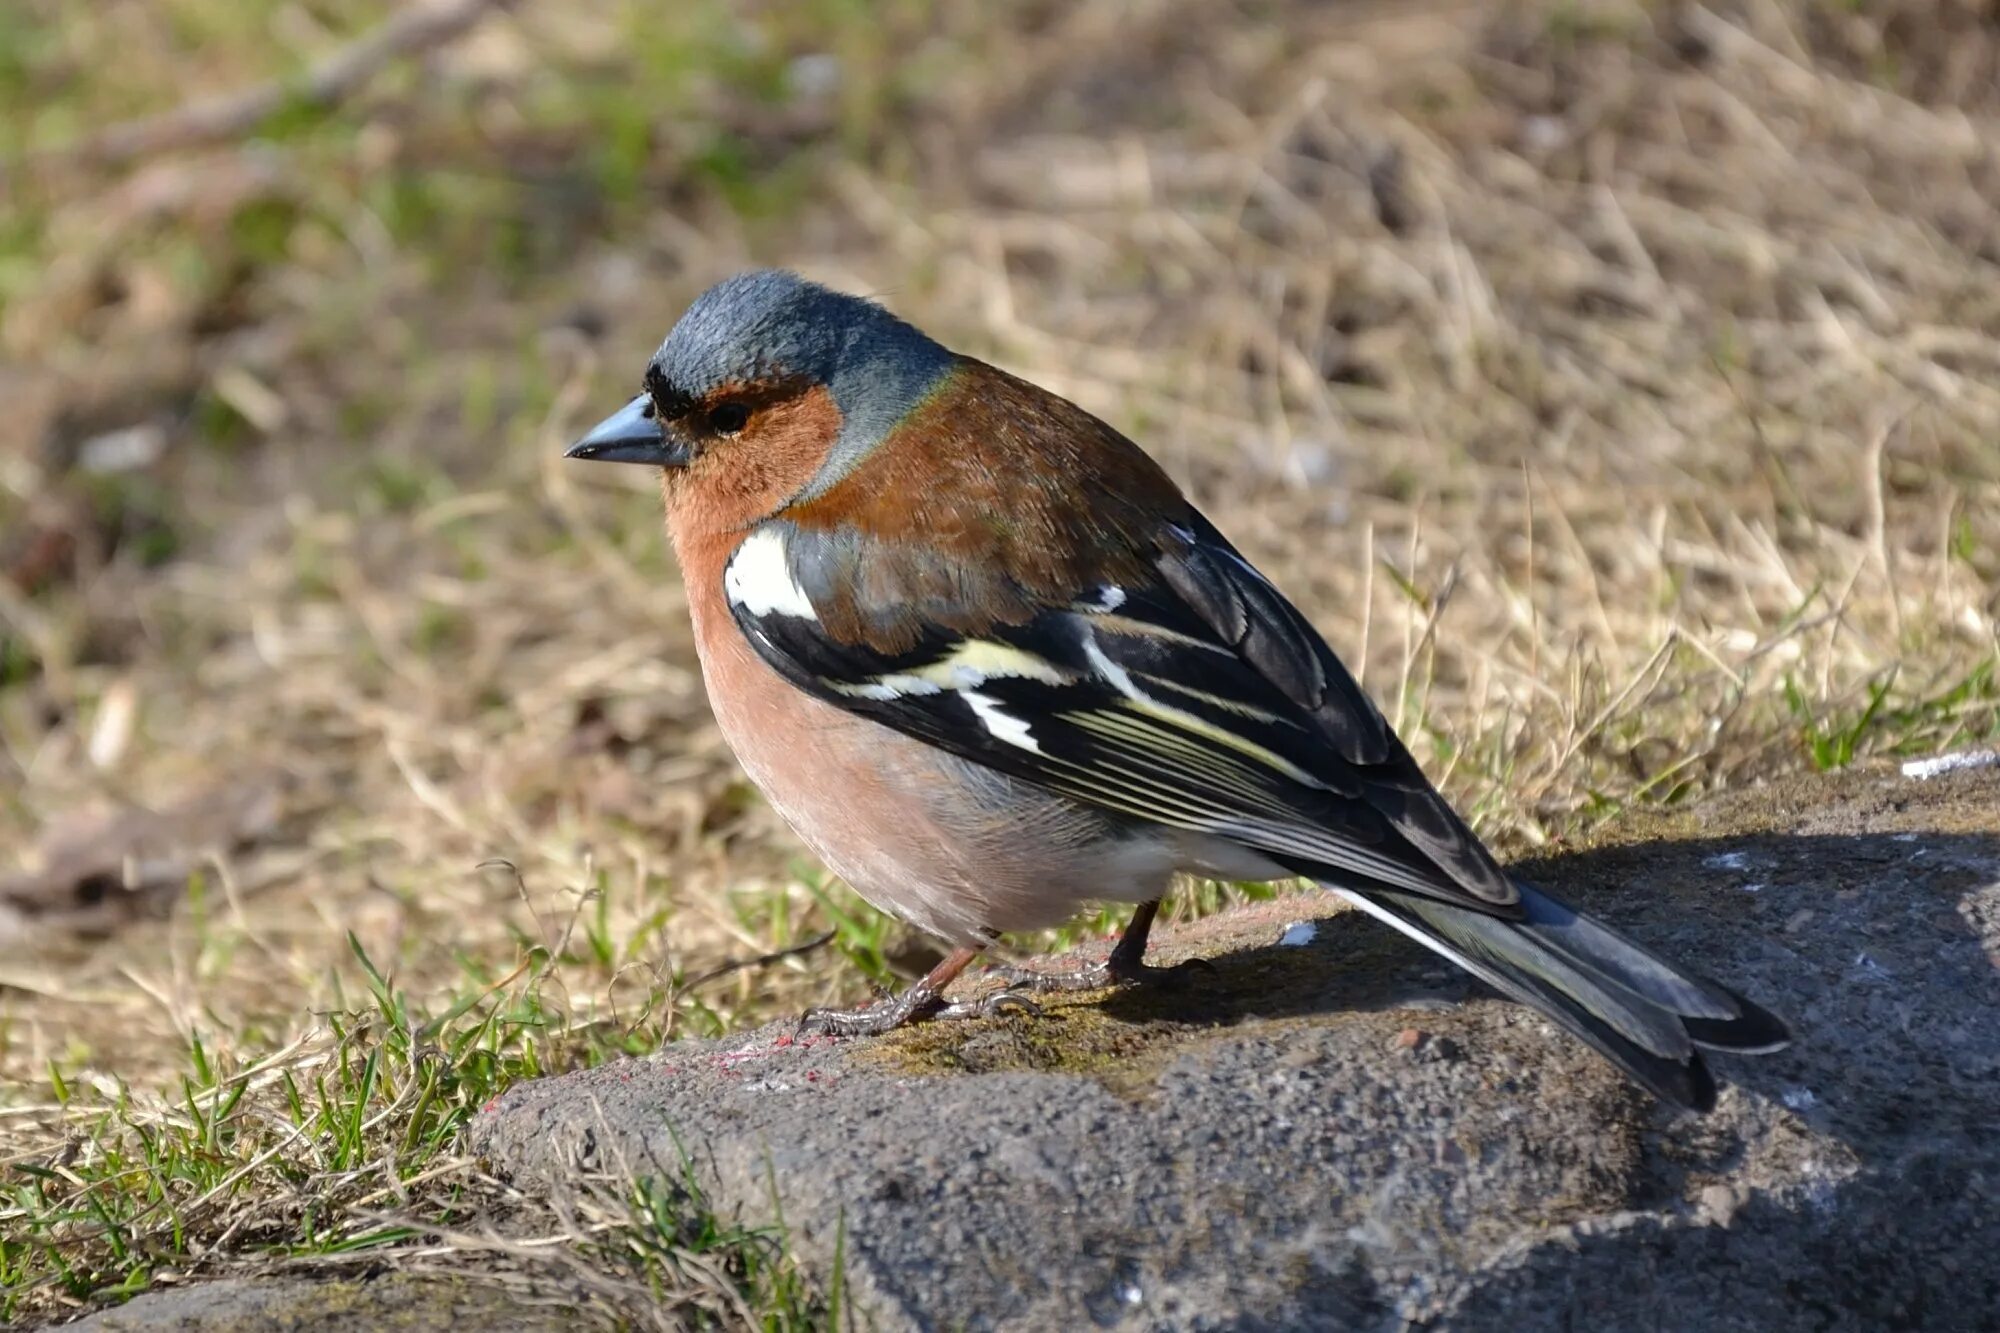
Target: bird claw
[
  {"x": 872, "y": 1020},
  {"x": 996, "y": 1005},
  {"x": 913, "y": 1006},
  {"x": 1092, "y": 976}
]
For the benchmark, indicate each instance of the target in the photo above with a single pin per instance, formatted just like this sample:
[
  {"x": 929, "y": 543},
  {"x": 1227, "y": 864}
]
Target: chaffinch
[{"x": 989, "y": 663}]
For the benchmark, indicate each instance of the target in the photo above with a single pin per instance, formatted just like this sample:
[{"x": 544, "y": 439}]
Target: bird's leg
[
  {"x": 1127, "y": 963},
  {"x": 921, "y": 1001}
]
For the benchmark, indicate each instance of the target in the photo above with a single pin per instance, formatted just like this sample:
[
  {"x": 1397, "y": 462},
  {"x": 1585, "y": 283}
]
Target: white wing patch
[
  {"x": 759, "y": 578},
  {"x": 968, "y": 666},
  {"x": 1002, "y": 726},
  {"x": 1109, "y": 598},
  {"x": 895, "y": 685}
]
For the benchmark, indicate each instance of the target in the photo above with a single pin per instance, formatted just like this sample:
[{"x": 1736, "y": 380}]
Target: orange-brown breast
[
  {"x": 955, "y": 851},
  {"x": 804, "y": 754}
]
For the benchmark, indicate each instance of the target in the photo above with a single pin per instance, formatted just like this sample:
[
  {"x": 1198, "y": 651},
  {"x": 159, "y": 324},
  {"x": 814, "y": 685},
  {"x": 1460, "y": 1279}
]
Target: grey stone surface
[
  {"x": 1345, "y": 1134},
  {"x": 392, "y": 1301}
]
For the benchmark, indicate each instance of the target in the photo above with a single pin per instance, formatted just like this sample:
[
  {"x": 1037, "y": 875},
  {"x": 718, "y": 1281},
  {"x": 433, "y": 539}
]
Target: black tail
[{"x": 1645, "y": 1015}]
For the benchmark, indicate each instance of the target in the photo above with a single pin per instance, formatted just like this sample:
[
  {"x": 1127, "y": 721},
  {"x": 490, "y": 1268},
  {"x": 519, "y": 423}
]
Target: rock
[
  {"x": 338, "y": 1305},
  {"x": 1263, "y": 1148}
]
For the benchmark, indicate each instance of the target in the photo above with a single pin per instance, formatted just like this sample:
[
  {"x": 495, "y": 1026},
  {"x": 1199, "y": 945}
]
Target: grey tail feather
[{"x": 1643, "y": 1014}]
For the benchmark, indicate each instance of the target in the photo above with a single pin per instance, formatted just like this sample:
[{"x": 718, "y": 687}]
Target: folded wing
[{"x": 1197, "y": 698}]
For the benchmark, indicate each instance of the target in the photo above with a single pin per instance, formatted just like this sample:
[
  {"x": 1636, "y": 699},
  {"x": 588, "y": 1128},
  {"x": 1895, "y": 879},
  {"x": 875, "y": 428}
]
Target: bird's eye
[{"x": 728, "y": 418}]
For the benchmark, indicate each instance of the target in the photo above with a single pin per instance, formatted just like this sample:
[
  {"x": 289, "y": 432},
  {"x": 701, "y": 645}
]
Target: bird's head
[{"x": 770, "y": 389}]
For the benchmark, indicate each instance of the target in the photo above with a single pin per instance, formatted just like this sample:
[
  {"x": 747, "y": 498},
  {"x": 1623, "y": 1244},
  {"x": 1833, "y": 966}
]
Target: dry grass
[{"x": 1614, "y": 385}]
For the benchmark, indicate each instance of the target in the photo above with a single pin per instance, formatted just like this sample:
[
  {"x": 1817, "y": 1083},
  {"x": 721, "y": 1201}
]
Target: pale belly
[{"x": 953, "y": 848}]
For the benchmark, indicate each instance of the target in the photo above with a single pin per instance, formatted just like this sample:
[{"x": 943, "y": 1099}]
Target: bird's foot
[
  {"x": 918, "y": 1004},
  {"x": 1113, "y": 971}
]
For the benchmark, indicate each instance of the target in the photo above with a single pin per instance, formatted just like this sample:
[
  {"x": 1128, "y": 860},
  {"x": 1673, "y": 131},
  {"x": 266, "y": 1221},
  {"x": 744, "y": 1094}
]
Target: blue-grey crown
[{"x": 768, "y": 322}]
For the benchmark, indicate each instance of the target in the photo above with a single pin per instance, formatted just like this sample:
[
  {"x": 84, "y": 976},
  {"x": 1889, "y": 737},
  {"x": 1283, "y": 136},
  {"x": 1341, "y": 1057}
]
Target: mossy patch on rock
[{"x": 1124, "y": 1036}]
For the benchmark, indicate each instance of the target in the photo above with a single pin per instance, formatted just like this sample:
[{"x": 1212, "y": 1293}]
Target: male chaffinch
[{"x": 989, "y": 663}]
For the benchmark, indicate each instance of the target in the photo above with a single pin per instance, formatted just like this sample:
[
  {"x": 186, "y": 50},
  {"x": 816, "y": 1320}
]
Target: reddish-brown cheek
[{"x": 736, "y": 482}]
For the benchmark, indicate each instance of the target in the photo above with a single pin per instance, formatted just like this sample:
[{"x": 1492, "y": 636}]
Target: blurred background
[{"x": 1617, "y": 385}]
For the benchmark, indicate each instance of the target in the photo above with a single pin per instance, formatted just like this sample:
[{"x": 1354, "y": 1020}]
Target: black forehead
[{"x": 673, "y": 401}]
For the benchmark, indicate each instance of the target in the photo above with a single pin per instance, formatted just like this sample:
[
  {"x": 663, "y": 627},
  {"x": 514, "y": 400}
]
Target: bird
[{"x": 990, "y": 664}]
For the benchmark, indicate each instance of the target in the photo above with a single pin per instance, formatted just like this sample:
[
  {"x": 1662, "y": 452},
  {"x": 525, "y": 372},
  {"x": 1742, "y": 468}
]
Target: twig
[
  {"x": 761, "y": 960},
  {"x": 327, "y": 84}
]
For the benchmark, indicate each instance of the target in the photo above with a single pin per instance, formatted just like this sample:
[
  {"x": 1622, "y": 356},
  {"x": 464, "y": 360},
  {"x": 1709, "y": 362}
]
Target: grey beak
[{"x": 632, "y": 434}]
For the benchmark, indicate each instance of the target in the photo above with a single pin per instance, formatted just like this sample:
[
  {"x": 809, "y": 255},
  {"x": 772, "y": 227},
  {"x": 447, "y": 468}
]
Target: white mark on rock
[
  {"x": 1298, "y": 935},
  {"x": 1822, "y": 1184},
  {"x": 1925, "y": 769},
  {"x": 1728, "y": 861},
  {"x": 1757, "y": 887},
  {"x": 1798, "y": 1099}
]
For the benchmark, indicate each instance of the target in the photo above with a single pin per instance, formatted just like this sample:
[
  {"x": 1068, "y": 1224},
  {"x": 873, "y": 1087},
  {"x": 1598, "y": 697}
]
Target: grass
[
  {"x": 342, "y": 1146},
  {"x": 1612, "y": 385}
]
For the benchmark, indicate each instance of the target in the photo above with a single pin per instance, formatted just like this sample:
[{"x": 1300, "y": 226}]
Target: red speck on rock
[{"x": 1407, "y": 1039}]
